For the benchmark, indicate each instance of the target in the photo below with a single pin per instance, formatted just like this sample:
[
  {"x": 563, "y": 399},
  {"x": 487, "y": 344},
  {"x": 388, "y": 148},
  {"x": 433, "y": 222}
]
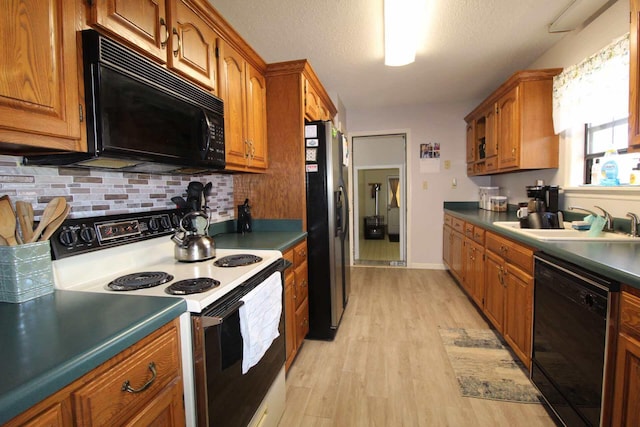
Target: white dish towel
[{"x": 259, "y": 320}]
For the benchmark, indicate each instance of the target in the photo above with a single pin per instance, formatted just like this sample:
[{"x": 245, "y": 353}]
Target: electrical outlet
[
  {"x": 425, "y": 185},
  {"x": 447, "y": 164},
  {"x": 454, "y": 183}
]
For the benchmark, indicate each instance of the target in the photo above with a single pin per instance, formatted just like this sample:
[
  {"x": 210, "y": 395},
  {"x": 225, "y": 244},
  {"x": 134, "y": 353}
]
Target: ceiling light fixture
[{"x": 400, "y": 32}]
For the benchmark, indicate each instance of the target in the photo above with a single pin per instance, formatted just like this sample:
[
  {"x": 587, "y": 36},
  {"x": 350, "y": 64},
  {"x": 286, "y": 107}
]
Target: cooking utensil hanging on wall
[
  {"x": 53, "y": 210},
  {"x": 7, "y": 221}
]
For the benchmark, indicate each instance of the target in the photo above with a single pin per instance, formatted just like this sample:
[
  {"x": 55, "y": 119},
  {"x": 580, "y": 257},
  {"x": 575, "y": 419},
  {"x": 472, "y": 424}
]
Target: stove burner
[
  {"x": 146, "y": 279},
  {"x": 192, "y": 286},
  {"x": 237, "y": 260}
]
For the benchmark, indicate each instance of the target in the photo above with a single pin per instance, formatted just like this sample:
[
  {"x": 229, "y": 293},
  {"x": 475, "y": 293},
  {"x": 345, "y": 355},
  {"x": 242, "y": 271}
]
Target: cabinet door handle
[
  {"x": 163, "y": 24},
  {"x": 500, "y": 276},
  {"x": 126, "y": 387},
  {"x": 247, "y": 150},
  {"x": 178, "y": 45}
]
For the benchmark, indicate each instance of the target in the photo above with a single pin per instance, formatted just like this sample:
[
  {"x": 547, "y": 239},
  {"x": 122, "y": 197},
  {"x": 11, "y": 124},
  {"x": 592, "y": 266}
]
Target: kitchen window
[
  {"x": 600, "y": 139},
  {"x": 594, "y": 95}
]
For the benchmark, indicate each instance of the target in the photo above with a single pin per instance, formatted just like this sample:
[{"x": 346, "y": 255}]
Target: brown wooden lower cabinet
[
  {"x": 98, "y": 398},
  {"x": 518, "y": 312},
  {"x": 497, "y": 274},
  {"x": 494, "y": 296},
  {"x": 474, "y": 280},
  {"x": 626, "y": 395},
  {"x": 296, "y": 300}
]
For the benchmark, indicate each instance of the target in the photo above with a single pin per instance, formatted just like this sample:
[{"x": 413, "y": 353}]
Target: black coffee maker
[
  {"x": 543, "y": 207},
  {"x": 244, "y": 217}
]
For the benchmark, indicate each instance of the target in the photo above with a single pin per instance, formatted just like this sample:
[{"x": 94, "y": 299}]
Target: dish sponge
[{"x": 580, "y": 225}]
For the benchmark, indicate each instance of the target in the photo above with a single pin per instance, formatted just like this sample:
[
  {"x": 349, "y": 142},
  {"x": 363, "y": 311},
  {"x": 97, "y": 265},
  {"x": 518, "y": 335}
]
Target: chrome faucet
[
  {"x": 634, "y": 224},
  {"x": 607, "y": 217},
  {"x": 578, "y": 208}
]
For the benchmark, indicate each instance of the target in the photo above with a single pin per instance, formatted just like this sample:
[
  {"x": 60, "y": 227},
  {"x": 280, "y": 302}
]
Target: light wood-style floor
[
  {"x": 387, "y": 365},
  {"x": 378, "y": 250}
]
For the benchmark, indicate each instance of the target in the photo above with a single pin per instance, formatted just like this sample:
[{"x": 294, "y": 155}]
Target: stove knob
[
  {"x": 87, "y": 235},
  {"x": 164, "y": 221},
  {"x": 68, "y": 238},
  {"x": 175, "y": 220},
  {"x": 154, "y": 224}
]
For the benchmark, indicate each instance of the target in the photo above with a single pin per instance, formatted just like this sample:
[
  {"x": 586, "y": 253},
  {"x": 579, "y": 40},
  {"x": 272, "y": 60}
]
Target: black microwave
[{"x": 141, "y": 117}]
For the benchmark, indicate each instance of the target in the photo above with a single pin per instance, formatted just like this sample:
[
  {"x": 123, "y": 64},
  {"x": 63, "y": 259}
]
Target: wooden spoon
[
  {"x": 53, "y": 210},
  {"x": 53, "y": 225},
  {"x": 24, "y": 212},
  {"x": 7, "y": 221}
]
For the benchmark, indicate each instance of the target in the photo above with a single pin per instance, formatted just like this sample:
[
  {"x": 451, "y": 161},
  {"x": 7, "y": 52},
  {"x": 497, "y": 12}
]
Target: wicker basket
[{"x": 25, "y": 272}]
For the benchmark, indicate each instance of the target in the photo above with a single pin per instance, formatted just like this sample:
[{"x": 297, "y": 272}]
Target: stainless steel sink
[{"x": 564, "y": 234}]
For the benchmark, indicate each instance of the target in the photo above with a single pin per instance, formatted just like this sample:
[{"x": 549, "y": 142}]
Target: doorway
[{"x": 379, "y": 192}]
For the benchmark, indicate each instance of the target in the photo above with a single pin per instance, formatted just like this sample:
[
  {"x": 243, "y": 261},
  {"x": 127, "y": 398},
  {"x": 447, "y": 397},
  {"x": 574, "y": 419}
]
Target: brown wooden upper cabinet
[
  {"x": 512, "y": 129},
  {"x": 634, "y": 78},
  {"x": 243, "y": 89},
  {"x": 172, "y": 32},
  {"x": 40, "y": 103},
  {"x": 314, "y": 106}
]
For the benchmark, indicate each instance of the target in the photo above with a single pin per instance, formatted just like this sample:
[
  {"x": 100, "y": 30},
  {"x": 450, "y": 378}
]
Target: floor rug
[{"x": 485, "y": 368}]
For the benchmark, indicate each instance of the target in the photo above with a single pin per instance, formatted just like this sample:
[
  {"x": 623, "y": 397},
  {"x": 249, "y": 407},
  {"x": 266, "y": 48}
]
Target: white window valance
[{"x": 595, "y": 90}]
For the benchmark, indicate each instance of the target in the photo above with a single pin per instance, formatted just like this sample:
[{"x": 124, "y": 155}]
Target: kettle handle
[{"x": 194, "y": 214}]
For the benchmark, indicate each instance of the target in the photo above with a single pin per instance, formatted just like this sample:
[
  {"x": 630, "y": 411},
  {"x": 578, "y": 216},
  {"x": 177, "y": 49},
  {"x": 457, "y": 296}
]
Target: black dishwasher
[{"x": 570, "y": 314}]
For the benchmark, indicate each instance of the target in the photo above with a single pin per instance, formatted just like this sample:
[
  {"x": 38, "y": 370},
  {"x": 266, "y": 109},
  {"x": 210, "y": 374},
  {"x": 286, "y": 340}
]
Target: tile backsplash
[{"x": 92, "y": 192}]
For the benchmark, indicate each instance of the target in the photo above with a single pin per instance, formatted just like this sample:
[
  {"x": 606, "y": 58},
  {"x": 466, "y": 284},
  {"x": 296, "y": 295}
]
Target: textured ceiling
[{"x": 468, "y": 47}]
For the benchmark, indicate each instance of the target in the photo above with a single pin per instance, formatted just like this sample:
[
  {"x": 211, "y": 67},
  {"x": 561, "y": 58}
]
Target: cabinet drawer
[
  {"x": 630, "y": 314},
  {"x": 302, "y": 284},
  {"x": 520, "y": 256},
  {"x": 300, "y": 253},
  {"x": 468, "y": 230},
  {"x": 458, "y": 225},
  {"x": 288, "y": 255},
  {"x": 478, "y": 235},
  {"x": 103, "y": 401},
  {"x": 448, "y": 220}
]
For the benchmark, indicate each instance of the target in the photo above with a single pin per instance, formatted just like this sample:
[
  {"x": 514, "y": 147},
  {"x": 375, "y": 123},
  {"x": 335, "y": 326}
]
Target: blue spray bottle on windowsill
[{"x": 610, "y": 168}]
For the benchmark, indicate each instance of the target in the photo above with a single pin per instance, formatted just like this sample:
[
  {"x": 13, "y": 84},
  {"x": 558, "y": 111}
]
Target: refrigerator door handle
[
  {"x": 338, "y": 202},
  {"x": 345, "y": 213}
]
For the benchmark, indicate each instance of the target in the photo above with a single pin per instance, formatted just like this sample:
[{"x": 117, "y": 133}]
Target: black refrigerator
[{"x": 326, "y": 160}]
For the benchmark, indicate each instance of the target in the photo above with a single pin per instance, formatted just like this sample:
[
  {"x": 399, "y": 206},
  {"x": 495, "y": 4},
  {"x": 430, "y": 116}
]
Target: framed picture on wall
[{"x": 430, "y": 150}]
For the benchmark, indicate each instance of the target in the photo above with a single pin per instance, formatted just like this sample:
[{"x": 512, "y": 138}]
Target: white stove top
[{"x": 92, "y": 272}]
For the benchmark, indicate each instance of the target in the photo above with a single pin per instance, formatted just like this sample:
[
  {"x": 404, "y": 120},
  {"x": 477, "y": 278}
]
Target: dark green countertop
[
  {"x": 278, "y": 234},
  {"x": 49, "y": 342},
  {"x": 279, "y": 240},
  {"x": 616, "y": 260}
]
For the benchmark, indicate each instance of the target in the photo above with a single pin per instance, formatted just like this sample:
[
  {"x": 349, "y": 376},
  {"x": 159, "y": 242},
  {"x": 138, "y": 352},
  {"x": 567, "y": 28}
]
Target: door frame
[
  {"x": 405, "y": 238},
  {"x": 356, "y": 210}
]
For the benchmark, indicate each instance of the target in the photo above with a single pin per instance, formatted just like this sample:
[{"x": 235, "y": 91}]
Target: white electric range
[{"x": 91, "y": 254}]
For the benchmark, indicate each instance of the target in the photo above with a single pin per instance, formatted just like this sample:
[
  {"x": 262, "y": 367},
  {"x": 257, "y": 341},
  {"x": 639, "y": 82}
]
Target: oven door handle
[{"x": 208, "y": 321}]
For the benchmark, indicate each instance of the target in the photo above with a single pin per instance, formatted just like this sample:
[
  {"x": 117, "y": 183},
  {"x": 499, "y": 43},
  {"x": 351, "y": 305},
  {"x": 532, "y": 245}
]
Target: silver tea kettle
[{"x": 191, "y": 246}]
